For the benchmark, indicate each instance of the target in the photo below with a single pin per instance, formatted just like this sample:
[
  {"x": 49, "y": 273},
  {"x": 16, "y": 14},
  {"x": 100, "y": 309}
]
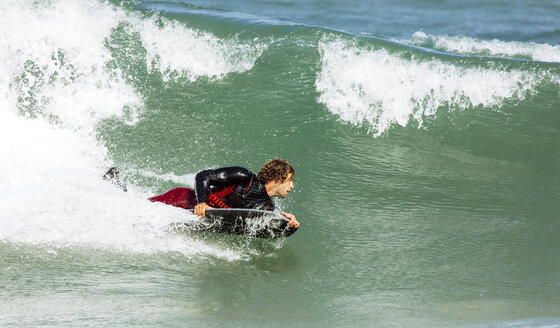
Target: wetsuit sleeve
[{"x": 222, "y": 177}]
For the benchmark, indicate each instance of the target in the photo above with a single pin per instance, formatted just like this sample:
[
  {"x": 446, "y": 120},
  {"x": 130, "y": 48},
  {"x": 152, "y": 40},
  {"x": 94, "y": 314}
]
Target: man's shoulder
[
  {"x": 237, "y": 170},
  {"x": 237, "y": 173},
  {"x": 235, "y": 167}
]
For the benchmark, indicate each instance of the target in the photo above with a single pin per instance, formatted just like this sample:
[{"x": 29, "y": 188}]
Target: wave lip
[
  {"x": 179, "y": 52},
  {"x": 381, "y": 89}
]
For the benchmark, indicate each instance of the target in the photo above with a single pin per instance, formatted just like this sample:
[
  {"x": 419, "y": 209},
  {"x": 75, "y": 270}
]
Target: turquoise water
[{"x": 425, "y": 137}]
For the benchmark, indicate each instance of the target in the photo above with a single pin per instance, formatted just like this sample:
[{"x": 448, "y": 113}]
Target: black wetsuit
[{"x": 246, "y": 189}]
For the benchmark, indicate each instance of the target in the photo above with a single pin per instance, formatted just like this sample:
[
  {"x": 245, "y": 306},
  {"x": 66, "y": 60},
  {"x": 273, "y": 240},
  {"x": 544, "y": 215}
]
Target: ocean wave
[
  {"x": 59, "y": 63},
  {"x": 370, "y": 85}
]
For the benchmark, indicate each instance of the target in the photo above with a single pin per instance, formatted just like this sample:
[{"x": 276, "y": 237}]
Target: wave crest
[{"x": 381, "y": 89}]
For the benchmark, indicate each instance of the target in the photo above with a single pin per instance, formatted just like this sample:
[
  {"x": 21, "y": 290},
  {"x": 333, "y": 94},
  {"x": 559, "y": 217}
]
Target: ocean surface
[{"x": 425, "y": 136}]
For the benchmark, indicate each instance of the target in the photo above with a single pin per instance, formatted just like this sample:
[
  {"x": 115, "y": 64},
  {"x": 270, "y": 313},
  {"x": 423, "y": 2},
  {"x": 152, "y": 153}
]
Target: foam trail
[
  {"x": 51, "y": 195},
  {"x": 381, "y": 89},
  {"x": 495, "y": 48}
]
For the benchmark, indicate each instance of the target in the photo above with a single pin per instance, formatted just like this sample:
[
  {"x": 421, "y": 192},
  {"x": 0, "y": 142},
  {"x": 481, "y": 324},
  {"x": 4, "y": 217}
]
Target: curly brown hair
[{"x": 276, "y": 169}]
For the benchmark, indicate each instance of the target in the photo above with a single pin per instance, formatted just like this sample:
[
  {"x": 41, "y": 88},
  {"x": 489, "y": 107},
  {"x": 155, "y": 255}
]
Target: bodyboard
[{"x": 242, "y": 221}]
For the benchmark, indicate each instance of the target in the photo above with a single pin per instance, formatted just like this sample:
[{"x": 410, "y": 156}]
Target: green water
[{"x": 447, "y": 215}]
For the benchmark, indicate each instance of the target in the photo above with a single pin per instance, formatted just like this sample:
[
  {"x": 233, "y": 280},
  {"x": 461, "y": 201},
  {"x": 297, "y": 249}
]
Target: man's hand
[
  {"x": 200, "y": 209},
  {"x": 293, "y": 222}
]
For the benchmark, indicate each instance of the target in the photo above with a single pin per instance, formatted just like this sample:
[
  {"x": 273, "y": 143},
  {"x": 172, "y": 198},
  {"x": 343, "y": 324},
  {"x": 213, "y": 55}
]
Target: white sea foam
[
  {"x": 178, "y": 52},
  {"x": 381, "y": 89},
  {"x": 56, "y": 85},
  {"x": 54, "y": 62},
  {"x": 496, "y": 48}
]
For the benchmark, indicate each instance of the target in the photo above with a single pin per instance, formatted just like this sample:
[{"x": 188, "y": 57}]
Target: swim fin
[{"x": 112, "y": 175}]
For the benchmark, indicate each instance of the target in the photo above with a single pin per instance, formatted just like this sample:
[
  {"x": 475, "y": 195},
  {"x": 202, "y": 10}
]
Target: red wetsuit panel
[{"x": 179, "y": 197}]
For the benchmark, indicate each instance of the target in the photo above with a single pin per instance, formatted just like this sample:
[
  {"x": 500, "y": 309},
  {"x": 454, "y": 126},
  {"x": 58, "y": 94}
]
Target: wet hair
[{"x": 276, "y": 169}]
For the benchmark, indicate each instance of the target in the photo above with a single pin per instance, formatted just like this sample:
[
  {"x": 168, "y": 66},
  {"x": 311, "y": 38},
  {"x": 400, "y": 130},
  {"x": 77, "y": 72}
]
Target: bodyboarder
[{"x": 235, "y": 187}]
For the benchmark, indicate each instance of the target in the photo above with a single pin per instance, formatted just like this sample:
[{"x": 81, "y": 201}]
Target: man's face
[{"x": 285, "y": 187}]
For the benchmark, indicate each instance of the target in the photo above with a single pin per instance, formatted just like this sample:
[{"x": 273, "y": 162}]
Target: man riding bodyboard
[{"x": 235, "y": 187}]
